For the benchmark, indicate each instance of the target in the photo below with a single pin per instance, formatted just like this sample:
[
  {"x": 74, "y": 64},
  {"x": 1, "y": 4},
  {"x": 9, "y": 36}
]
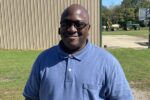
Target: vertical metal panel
[{"x": 33, "y": 24}]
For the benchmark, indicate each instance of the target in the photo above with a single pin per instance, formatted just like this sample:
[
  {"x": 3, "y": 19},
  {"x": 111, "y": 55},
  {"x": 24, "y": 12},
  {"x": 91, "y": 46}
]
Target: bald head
[
  {"x": 75, "y": 10},
  {"x": 74, "y": 28}
]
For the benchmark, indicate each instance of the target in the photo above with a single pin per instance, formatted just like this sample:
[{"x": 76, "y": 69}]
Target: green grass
[
  {"x": 136, "y": 65},
  {"x": 14, "y": 70},
  {"x": 140, "y": 33},
  {"x": 16, "y": 65}
]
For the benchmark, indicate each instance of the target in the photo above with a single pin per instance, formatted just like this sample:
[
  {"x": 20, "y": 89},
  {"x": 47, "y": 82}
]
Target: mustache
[{"x": 69, "y": 34}]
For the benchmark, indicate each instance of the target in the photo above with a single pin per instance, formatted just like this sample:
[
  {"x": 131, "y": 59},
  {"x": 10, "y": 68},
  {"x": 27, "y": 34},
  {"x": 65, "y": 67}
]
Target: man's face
[{"x": 74, "y": 30}]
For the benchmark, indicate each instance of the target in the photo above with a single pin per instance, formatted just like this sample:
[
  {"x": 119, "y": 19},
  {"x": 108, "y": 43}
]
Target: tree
[
  {"x": 105, "y": 14},
  {"x": 131, "y": 7},
  {"x": 127, "y": 11}
]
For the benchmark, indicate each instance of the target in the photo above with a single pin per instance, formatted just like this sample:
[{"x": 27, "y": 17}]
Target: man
[{"x": 75, "y": 69}]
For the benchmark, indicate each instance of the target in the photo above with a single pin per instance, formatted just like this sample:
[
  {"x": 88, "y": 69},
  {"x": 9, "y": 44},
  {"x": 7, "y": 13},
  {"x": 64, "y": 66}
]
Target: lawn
[
  {"x": 16, "y": 65},
  {"x": 14, "y": 70},
  {"x": 143, "y": 32}
]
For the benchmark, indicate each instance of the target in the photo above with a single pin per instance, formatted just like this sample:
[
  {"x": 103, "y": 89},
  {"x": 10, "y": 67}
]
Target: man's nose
[{"x": 72, "y": 28}]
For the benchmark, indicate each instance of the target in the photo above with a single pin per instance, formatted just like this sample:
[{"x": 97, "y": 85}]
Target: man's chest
[
  {"x": 73, "y": 79},
  {"x": 73, "y": 71}
]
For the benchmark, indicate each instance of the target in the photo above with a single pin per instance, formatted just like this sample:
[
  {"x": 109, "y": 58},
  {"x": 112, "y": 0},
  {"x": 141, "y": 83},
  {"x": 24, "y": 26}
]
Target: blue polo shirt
[{"x": 90, "y": 74}]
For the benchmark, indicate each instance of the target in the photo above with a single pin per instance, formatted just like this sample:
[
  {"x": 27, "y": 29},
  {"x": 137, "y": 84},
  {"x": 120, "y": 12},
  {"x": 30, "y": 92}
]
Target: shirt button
[
  {"x": 70, "y": 56},
  {"x": 69, "y": 69}
]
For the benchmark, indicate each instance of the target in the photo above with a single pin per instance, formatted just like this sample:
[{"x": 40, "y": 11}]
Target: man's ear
[{"x": 89, "y": 27}]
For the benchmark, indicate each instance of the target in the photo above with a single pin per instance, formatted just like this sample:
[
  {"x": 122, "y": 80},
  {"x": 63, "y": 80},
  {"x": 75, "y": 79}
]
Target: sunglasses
[{"x": 77, "y": 24}]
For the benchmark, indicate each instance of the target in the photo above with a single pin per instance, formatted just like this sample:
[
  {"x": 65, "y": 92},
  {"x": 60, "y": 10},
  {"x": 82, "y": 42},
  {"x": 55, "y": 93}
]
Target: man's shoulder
[
  {"x": 99, "y": 50},
  {"x": 51, "y": 49},
  {"x": 103, "y": 53},
  {"x": 49, "y": 52}
]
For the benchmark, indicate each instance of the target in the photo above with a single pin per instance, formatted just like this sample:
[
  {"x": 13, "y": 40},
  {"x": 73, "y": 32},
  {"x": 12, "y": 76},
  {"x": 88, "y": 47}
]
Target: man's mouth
[{"x": 72, "y": 35}]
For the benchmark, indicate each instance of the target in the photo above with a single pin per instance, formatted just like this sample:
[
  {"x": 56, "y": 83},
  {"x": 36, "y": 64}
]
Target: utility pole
[
  {"x": 149, "y": 34},
  {"x": 100, "y": 13},
  {"x": 148, "y": 17}
]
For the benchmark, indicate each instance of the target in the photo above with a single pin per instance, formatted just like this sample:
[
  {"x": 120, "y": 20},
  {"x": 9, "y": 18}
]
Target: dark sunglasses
[{"x": 77, "y": 24}]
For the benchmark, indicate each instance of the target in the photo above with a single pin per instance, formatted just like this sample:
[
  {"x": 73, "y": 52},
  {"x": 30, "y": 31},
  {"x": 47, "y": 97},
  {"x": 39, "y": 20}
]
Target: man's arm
[
  {"x": 31, "y": 90},
  {"x": 118, "y": 86},
  {"x": 26, "y": 98}
]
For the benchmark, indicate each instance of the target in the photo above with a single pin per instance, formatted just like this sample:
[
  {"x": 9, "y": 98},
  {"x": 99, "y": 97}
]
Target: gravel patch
[
  {"x": 124, "y": 41},
  {"x": 140, "y": 95}
]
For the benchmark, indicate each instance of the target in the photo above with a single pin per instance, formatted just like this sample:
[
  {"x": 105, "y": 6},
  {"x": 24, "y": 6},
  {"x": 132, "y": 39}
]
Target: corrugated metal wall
[{"x": 33, "y": 24}]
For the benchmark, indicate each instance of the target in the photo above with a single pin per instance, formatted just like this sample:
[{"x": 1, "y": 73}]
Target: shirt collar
[{"x": 78, "y": 55}]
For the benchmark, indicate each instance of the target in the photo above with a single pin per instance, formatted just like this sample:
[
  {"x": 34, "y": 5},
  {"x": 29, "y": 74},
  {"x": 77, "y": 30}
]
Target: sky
[{"x": 109, "y": 3}]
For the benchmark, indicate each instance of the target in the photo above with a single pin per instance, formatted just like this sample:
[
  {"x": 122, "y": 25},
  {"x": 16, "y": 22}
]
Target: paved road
[
  {"x": 140, "y": 95},
  {"x": 124, "y": 41}
]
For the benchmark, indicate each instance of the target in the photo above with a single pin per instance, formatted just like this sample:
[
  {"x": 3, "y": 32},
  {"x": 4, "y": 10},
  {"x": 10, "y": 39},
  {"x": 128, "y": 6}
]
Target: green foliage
[
  {"x": 136, "y": 3},
  {"x": 127, "y": 11},
  {"x": 105, "y": 16}
]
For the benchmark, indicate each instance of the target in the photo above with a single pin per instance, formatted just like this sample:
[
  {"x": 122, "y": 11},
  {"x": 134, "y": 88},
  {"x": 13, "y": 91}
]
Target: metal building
[{"x": 33, "y": 24}]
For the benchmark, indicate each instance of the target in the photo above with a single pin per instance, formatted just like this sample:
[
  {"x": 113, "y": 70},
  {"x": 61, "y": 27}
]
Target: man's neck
[{"x": 69, "y": 51}]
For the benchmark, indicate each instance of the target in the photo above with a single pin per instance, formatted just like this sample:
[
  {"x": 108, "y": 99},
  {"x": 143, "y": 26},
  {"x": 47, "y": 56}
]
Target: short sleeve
[
  {"x": 118, "y": 86},
  {"x": 31, "y": 89}
]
